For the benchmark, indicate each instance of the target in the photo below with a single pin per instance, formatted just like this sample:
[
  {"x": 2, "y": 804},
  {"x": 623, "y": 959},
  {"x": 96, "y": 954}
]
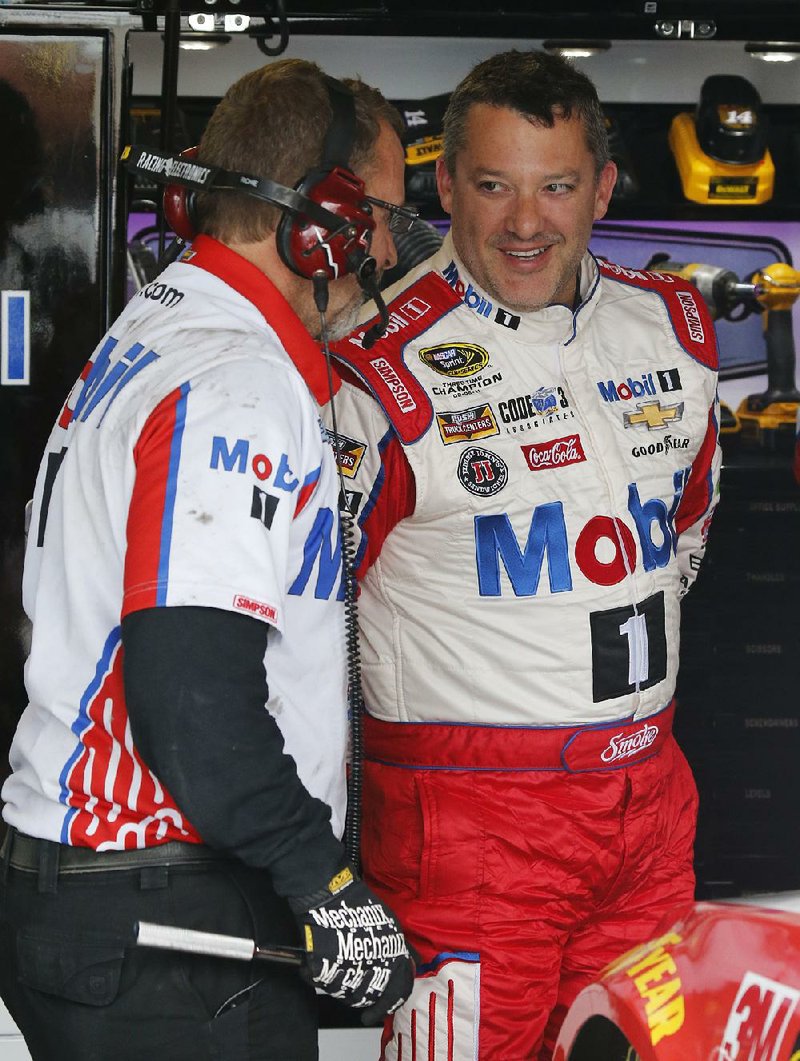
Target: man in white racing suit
[{"x": 532, "y": 453}]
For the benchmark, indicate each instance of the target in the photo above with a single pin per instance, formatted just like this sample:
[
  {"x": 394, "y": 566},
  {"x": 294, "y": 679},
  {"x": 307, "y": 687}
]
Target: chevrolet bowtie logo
[{"x": 654, "y": 415}]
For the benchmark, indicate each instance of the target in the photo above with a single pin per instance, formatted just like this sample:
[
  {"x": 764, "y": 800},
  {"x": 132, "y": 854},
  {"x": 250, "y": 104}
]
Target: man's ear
[
  {"x": 605, "y": 187},
  {"x": 444, "y": 182}
]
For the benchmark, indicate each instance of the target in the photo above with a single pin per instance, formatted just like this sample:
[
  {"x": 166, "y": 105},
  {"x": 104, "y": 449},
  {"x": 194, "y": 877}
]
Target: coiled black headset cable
[{"x": 355, "y": 700}]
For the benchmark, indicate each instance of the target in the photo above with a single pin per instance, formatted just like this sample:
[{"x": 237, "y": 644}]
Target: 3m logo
[{"x": 758, "y": 1019}]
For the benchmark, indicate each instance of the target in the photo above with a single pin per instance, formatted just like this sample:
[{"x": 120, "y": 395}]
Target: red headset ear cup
[
  {"x": 178, "y": 202},
  {"x": 308, "y": 248}
]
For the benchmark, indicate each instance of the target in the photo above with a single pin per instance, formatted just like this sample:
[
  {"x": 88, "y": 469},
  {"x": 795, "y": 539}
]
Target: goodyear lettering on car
[{"x": 654, "y": 974}]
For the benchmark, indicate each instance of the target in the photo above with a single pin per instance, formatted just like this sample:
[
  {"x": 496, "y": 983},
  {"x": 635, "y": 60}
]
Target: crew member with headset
[{"x": 182, "y": 756}]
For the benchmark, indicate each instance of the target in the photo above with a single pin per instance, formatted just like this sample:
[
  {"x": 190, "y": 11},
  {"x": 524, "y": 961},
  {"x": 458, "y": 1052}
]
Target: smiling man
[
  {"x": 523, "y": 196},
  {"x": 534, "y": 485}
]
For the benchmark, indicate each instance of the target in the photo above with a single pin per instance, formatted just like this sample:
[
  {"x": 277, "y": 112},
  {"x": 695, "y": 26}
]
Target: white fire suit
[{"x": 533, "y": 495}]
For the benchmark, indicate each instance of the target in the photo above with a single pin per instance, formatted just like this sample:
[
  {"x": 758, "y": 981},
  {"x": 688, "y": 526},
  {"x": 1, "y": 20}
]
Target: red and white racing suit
[{"x": 533, "y": 494}]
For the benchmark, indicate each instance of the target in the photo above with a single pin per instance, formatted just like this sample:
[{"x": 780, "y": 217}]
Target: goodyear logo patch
[
  {"x": 349, "y": 454},
  {"x": 467, "y": 424},
  {"x": 455, "y": 359}
]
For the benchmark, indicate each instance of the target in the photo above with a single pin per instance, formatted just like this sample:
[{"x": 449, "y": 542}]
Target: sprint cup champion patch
[
  {"x": 455, "y": 359},
  {"x": 482, "y": 472},
  {"x": 467, "y": 424}
]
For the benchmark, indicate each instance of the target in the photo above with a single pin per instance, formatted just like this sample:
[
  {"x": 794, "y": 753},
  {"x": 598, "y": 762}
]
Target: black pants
[{"x": 81, "y": 991}]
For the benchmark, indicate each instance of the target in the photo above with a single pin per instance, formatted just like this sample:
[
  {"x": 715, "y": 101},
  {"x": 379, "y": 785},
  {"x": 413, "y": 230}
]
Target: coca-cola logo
[
  {"x": 554, "y": 454},
  {"x": 622, "y": 746}
]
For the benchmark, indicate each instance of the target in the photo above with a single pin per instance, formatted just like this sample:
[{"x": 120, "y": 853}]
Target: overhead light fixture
[
  {"x": 202, "y": 42},
  {"x": 578, "y": 49},
  {"x": 774, "y": 51},
  {"x": 687, "y": 28}
]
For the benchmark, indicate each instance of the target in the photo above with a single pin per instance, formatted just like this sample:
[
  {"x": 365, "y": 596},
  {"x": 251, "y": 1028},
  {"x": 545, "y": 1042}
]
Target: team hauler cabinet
[
  {"x": 738, "y": 716},
  {"x": 61, "y": 269}
]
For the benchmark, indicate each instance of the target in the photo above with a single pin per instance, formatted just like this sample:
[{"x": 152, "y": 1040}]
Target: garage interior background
[{"x": 80, "y": 80}]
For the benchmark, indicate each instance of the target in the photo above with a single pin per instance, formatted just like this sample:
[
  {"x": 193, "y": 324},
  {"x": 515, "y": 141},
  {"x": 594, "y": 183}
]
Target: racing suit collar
[
  {"x": 245, "y": 278},
  {"x": 556, "y": 323}
]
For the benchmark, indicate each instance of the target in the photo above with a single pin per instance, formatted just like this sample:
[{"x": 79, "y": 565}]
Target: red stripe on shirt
[
  {"x": 396, "y": 500},
  {"x": 146, "y": 511},
  {"x": 118, "y": 800},
  {"x": 698, "y": 494}
]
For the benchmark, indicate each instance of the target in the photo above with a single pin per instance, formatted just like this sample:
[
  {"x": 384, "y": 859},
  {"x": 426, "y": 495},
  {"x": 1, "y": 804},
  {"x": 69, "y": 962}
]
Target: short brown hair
[
  {"x": 271, "y": 123},
  {"x": 539, "y": 86}
]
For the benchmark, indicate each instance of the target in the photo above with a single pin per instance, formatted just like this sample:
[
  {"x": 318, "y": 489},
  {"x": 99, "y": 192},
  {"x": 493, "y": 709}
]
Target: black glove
[{"x": 355, "y": 949}]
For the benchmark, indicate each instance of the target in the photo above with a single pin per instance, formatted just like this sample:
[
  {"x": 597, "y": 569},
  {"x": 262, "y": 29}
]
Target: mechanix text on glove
[{"x": 355, "y": 949}]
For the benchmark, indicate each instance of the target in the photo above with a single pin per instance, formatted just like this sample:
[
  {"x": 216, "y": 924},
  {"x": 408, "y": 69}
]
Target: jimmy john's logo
[
  {"x": 482, "y": 472},
  {"x": 455, "y": 359},
  {"x": 467, "y": 424},
  {"x": 349, "y": 453}
]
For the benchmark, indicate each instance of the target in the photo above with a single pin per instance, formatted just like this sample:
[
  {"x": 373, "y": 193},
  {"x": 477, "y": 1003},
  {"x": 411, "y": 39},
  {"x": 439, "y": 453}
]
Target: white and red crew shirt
[{"x": 188, "y": 467}]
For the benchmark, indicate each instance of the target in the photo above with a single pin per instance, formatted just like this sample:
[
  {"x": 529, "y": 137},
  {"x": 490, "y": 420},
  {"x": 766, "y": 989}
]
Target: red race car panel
[{"x": 723, "y": 984}]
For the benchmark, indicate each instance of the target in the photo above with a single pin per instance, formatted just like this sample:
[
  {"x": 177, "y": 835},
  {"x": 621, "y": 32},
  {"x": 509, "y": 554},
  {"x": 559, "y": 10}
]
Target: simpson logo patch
[
  {"x": 455, "y": 359},
  {"x": 554, "y": 454},
  {"x": 467, "y": 424},
  {"x": 395, "y": 385},
  {"x": 255, "y": 607},
  {"x": 692, "y": 315}
]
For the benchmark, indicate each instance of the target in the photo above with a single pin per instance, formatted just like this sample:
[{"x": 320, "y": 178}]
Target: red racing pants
[{"x": 520, "y": 863}]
